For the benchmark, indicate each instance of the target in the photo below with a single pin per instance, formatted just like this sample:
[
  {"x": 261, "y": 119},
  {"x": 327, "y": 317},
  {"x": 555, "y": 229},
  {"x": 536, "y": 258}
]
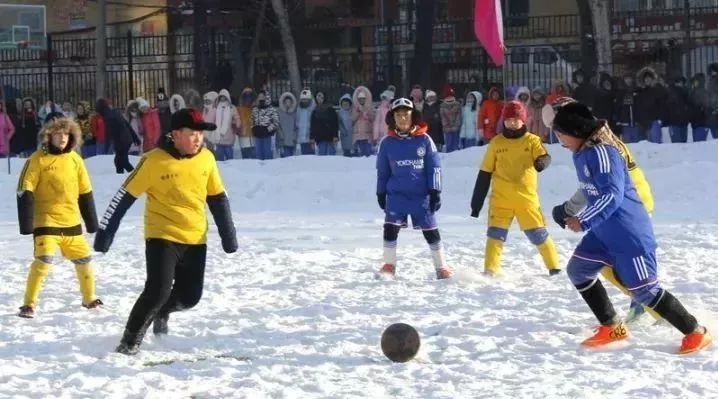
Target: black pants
[
  {"x": 175, "y": 277},
  {"x": 122, "y": 160}
]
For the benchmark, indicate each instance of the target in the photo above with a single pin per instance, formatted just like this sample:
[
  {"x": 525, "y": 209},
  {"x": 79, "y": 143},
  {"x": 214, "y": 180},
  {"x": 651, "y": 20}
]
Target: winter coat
[
  {"x": 649, "y": 106},
  {"x": 26, "y": 130},
  {"x": 450, "y": 111},
  {"x": 699, "y": 101},
  {"x": 362, "y": 116},
  {"x": 287, "y": 134},
  {"x": 176, "y": 103},
  {"x": 584, "y": 92},
  {"x": 45, "y": 111},
  {"x": 678, "y": 112},
  {"x": 490, "y": 114},
  {"x": 534, "y": 116},
  {"x": 432, "y": 117},
  {"x": 324, "y": 124},
  {"x": 265, "y": 121},
  {"x": 712, "y": 109},
  {"x": 469, "y": 128},
  {"x": 304, "y": 121},
  {"x": 346, "y": 126},
  {"x": 97, "y": 128},
  {"x": 7, "y": 130},
  {"x": 117, "y": 129},
  {"x": 605, "y": 104},
  {"x": 380, "y": 127},
  {"x": 227, "y": 120},
  {"x": 152, "y": 129},
  {"x": 523, "y": 90},
  {"x": 245, "y": 112},
  {"x": 163, "y": 106}
]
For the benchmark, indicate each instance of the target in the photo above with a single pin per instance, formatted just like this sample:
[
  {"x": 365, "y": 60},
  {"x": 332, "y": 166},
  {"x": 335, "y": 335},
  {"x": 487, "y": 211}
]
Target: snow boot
[{"x": 26, "y": 312}]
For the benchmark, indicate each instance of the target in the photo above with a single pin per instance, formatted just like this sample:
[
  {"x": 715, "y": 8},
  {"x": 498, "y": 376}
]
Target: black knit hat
[{"x": 577, "y": 120}]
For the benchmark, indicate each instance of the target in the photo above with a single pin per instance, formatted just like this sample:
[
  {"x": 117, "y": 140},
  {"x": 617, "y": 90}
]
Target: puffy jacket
[
  {"x": 362, "y": 116},
  {"x": 287, "y": 134},
  {"x": 450, "y": 111},
  {"x": 490, "y": 114}
]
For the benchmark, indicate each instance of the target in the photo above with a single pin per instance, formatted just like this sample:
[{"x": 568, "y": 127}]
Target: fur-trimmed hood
[
  {"x": 645, "y": 72},
  {"x": 523, "y": 90},
  {"x": 283, "y": 97},
  {"x": 368, "y": 103},
  {"x": 60, "y": 124},
  {"x": 176, "y": 98}
]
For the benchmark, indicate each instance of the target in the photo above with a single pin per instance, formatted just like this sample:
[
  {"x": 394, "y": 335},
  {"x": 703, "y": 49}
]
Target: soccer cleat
[
  {"x": 606, "y": 334},
  {"x": 92, "y": 305},
  {"x": 695, "y": 341},
  {"x": 26, "y": 312},
  {"x": 444, "y": 273},
  {"x": 159, "y": 324},
  {"x": 635, "y": 312},
  {"x": 387, "y": 270},
  {"x": 554, "y": 272}
]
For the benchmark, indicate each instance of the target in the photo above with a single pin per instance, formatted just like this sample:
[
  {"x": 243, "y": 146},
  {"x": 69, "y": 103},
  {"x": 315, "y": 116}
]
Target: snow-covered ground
[{"x": 296, "y": 312}]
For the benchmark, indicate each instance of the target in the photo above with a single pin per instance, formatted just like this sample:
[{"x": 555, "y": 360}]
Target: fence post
[
  {"x": 50, "y": 82},
  {"x": 130, "y": 68}
]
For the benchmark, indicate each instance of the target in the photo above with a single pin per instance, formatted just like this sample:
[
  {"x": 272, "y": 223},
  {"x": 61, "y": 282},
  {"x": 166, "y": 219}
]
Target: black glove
[
  {"x": 381, "y": 199},
  {"x": 559, "y": 215},
  {"x": 434, "y": 201},
  {"x": 475, "y": 213},
  {"x": 230, "y": 245},
  {"x": 103, "y": 240},
  {"x": 542, "y": 162}
]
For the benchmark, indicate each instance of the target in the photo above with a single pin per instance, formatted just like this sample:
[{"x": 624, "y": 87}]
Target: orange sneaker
[
  {"x": 606, "y": 334},
  {"x": 387, "y": 270},
  {"x": 444, "y": 273},
  {"x": 695, "y": 341}
]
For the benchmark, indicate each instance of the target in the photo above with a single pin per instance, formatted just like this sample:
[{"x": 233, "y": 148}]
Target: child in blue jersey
[
  {"x": 618, "y": 233},
  {"x": 409, "y": 184}
]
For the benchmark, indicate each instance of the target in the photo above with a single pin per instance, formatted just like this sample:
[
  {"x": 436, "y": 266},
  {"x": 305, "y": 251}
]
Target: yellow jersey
[
  {"x": 56, "y": 181},
  {"x": 637, "y": 177},
  {"x": 514, "y": 179},
  {"x": 177, "y": 190}
]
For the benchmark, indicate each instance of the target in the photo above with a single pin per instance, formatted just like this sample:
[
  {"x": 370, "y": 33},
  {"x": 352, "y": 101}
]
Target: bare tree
[
  {"x": 258, "y": 29},
  {"x": 290, "y": 51},
  {"x": 600, "y": 10}
]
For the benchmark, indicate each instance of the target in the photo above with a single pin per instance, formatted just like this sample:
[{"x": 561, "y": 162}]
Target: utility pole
[{"x": 101, "y": 50}]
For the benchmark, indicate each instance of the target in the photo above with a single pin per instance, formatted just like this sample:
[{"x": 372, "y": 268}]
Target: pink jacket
[
  {"x": 380, "y": 127},
  {"x": 362, "y": 116},
  {"x": 151, "y": 128},
  {"x": 6, "y": 131}
]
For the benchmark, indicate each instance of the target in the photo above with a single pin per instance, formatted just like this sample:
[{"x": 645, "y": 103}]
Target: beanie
[
  {"x": 514, "y": 109},
  {"x": 577, "y": 120}
]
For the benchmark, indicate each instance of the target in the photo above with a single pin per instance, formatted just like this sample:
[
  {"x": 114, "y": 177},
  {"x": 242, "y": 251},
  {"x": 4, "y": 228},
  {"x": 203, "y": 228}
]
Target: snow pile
[{"x": 297, "y": 314}]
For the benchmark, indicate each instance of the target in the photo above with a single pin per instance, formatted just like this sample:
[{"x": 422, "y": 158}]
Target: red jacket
[
  {"x": 97, "y": 127},
  {"x": 151, "y": 126},
  {"x": 489, "y": 115}
]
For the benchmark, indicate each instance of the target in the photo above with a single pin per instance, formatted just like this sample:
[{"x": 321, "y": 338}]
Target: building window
[{"x": 406, "y": 11}]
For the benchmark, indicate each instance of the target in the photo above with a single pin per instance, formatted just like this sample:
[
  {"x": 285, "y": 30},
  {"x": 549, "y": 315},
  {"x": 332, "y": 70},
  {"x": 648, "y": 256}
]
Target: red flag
[{"x": 489, "y": 28}]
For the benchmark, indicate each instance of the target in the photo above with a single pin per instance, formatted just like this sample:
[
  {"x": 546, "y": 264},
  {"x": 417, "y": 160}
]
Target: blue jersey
[
  {"x": 407, "y": 168},
  {"x": 614, "y": 213}
]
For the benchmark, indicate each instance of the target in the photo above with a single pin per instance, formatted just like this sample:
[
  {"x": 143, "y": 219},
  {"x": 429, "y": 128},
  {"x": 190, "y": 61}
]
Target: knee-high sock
[
  {"x": 390, "y": 252},
  {"x": 86, "y": 278},
  {"x": 35, "y": 279},
  {"x": 607, "y": 273},
  {"x": 437, "y": 255},
  {"x": 492, "y": 259},
  {"x": 547, "y": 249}
]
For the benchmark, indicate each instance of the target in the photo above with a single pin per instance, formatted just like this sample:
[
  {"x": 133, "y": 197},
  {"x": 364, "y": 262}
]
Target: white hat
[
  {"x": 361, "y": 94},
  {"x": 430, "y": 93},
  {"x": 306, "y": 94},
  {"x": 388, "y": 95},
  {"x": 142, "y": 103}
]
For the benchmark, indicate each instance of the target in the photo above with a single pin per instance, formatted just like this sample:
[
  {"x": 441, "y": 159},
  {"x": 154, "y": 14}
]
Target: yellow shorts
[
  {"x": 74, "y": 248},
  {"x": 528, "y": 218}
]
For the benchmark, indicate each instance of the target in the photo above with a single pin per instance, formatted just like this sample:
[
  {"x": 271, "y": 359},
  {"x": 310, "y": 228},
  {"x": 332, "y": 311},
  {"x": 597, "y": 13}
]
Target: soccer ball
[{"x": 400, "y": 342}]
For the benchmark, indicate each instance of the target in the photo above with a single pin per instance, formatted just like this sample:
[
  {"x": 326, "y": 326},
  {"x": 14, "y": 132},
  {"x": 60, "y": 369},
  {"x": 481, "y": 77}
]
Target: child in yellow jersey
[
  {"x": 180, "y": 178},
  {"x": 511, "y": 164},
  {"x": 54, "y": 191}
]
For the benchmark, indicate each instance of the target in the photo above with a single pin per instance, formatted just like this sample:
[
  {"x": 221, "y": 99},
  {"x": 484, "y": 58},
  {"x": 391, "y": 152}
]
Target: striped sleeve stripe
[
  {"x": 604, "y": 163},
  {"x": 594, "y": 209},
  {"x": 437, "y": 179},
  {"x": 21, "y": 181},
  {"x": 134, "y": 173}
]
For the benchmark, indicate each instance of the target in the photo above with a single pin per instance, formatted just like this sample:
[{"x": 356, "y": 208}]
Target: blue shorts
[
  {"x": 421, "y": 217},
  {"x": 634, "y": 271}
]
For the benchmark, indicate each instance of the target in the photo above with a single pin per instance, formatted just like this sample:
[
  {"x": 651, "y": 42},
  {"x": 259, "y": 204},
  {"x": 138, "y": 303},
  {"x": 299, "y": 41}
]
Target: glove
[
  {"x": 475, "y": 213},
  {"x": 230, "y": 245},
  {"x": 434, "y": 201},
  {"x": 559, "y": 215},
  {"x": 103, "y": 240},
  {"x": 381, "y": 199}
]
